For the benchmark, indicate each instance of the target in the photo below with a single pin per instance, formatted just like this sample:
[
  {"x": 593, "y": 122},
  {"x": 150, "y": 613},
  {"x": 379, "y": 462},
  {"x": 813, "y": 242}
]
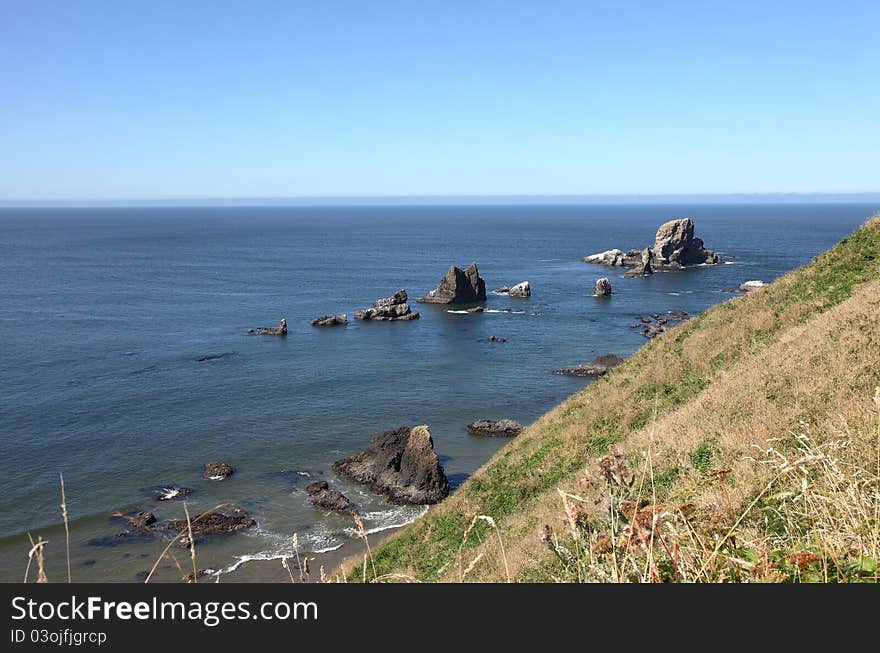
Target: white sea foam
[
  {"x": 315, "y": 542},
  {"x": 488, "y": 310}
]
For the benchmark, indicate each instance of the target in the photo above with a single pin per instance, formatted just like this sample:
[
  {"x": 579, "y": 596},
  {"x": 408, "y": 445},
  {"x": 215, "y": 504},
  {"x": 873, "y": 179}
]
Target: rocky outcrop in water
[
  {"x": 496, "y": 339},
  {"x": 458, "y": 287},
  {"x": 389, "y": 309},
  {"x": 330, "y": 320},
  {"x": 506, "y": 428},
  {"x": 659, "y": 324},
  {"x": 280, "y": 330},
  {"x": 224, "y": 520},
  {"x": 749, "y": 286},
  {"x": 603, "y": 287},
  {"x": 595, "y": 368},
  {"x": 322, "y": 496},
  {"x": 645, "y": 266},
  {"x": 523, "y": 289},
  {"x": 172, "y": 492},
  {"x": 213, "y": 357},
  {"x": 401, "y": 464},
  {"x": 140, "y": 521},
  {"x": 674, "y": 247},
  {"x": 217, "y": 470}
]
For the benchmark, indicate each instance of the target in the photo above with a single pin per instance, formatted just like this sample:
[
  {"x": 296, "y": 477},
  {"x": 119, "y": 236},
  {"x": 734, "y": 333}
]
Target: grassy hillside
[{"x": 742, "y": 445}]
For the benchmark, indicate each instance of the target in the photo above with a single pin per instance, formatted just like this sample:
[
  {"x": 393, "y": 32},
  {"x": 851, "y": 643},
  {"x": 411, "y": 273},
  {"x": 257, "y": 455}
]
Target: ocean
[{"x": 105, "y": 311}]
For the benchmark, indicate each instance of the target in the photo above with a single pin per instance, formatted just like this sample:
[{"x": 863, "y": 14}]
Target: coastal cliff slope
[{"x": 705, "y": 456}]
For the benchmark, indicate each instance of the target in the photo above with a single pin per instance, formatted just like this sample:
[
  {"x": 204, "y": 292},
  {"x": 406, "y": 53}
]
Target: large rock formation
[
  {"x": 674, "y": 247},
  {"x": 322, "y": 496},
  {"x": 501, "y": 428},
  {"x": 401, "y": 464},
  {"x": 280, "y": 330},
  {"x": 331, "y": 320},
  {"x": 389, "y": 309},
  {"x": 603, "y": 287},
  {"x": 458, "y": 287},
  {"x": 595, "y": 368}
]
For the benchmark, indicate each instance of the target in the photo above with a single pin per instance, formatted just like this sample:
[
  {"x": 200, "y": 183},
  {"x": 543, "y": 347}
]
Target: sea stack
[
  {"x": 401, "y": 464},
  {"x": 674, "y": 247},
  {"x": 603, "y": 287},
  {"x": 458, "y": 287}
]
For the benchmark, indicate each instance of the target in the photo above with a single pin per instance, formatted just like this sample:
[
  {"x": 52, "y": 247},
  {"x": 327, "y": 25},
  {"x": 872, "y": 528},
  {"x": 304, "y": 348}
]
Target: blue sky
[{"x": 256, "y": 99}]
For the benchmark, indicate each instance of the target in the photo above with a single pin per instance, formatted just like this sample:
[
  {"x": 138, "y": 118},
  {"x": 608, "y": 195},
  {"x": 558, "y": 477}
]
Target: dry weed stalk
[{"x": 66, "y": 526}]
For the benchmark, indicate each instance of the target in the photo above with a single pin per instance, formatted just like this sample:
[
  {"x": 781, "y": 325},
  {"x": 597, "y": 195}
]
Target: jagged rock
[
  {"x": 222, "y": 521},
  {"x": 322, "y": 496},
  {"x": 331, "y": 320},
  {"x": 595, "y": 368},
  {"x": 401, "y": 464},
  {"x": 280, "y": 330},
  {"x": 645, "y": 266},
  {"x": 661, "y": 324},
  {"x": 522, "y": 289},
  {"x": 141, "y": 521},
  {"x": 501, "y": 428},
  {"x": 613, "y": 257},
  {"x": 603, "y": 287},
  {"x": 495, "y": 339},
  {"x": 754, "y": 284},
  {"x": 389, "y": 309},
  {"x": 674, "y": 247},
  {"x": 458, "y": 287},
  {"x": 217, "y": 471}
]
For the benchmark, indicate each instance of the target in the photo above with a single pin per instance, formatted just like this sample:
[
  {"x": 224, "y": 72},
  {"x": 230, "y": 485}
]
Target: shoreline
[{"x": 271, "y": 570}]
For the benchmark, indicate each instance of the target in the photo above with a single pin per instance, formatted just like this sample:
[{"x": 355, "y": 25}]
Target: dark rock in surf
[
  {"x": 202, "y": 573},
  {"x": 224, "y": 520},
  {"x": 595, "y": 368},
  {"x": 401, "y": 464},
  {"x": 506, "y": 428},
  {"x": 280, "y": 330},
  {"x": 458, "y": 287},
  {"x": 330, "y": 320},
  {"x": 141, "y": 521},
  {"x": 495, "y": 339},
  {"x": 217, "y": 471},
  {"x": 213, "y": 357},
  {"x": 172, "y": 492},
  {"x": 389, "y": 309},
  {"x": 603, "y": 287},
  {"x": 322, "y": 496}
]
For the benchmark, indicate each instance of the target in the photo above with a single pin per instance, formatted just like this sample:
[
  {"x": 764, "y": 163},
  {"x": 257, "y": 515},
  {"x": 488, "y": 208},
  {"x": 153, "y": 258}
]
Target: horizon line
[{"x": 439, "y": 199}]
